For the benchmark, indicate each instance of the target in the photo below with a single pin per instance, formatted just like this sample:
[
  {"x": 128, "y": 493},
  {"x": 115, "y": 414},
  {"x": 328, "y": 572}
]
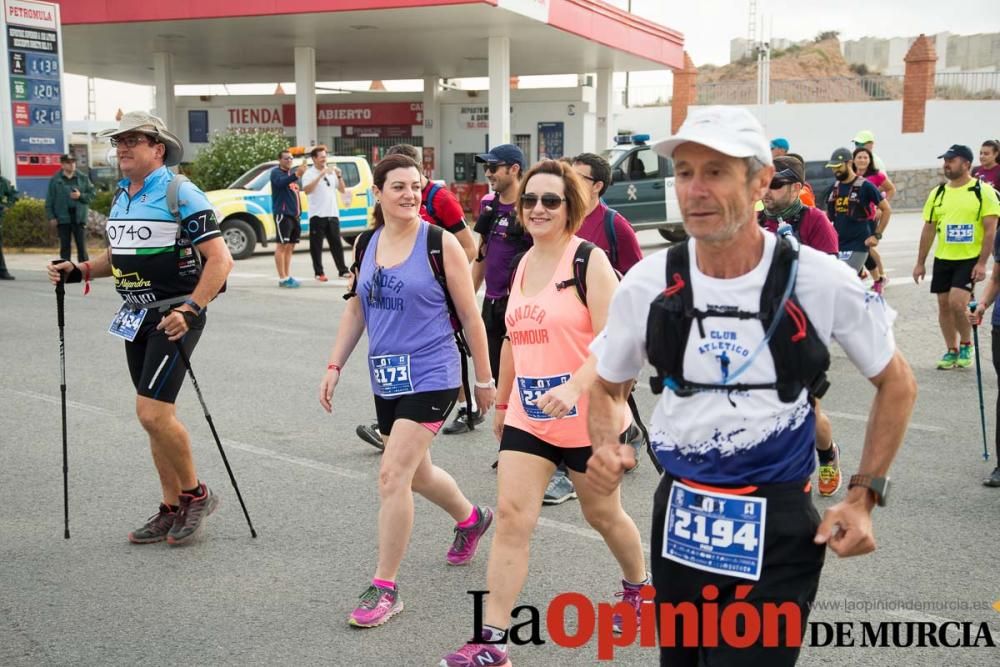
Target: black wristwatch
[
  {"x": 878, "y": 236},
  {"x": 878, "y": 486}
]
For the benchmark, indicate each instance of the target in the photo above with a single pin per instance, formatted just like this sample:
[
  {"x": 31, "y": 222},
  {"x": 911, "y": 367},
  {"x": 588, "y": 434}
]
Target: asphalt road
[{"x": 310, "y": 486}]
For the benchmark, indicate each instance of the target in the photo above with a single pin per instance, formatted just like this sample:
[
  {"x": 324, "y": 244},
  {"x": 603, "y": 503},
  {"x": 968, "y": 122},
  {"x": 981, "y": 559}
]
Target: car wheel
[
  {"x": 673, "y": 234},
  {"x": 239, "y": 237}
]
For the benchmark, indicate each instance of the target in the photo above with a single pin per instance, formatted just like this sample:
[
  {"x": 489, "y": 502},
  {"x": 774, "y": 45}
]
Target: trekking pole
[
  {"x": 215, "y": 434},
  {"x": 979, "y": 378},
  {"x": 61, "y": 319}
]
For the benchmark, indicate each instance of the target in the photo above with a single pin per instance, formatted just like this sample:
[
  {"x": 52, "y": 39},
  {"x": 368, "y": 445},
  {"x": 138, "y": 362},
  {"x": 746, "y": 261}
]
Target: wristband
[
  {"x": 500, "y": 406},
  {"x": 334, "y": 367},
  {"x": 195, "y": 306},
  {"x": 86, "y": 278},
  {"x": 486, "y": 385}
]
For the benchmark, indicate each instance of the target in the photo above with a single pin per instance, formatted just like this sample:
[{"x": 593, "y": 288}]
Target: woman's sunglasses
[{"x": 549, "y": 201}]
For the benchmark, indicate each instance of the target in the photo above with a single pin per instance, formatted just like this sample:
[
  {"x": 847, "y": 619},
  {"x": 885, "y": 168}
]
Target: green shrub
[
  {"x": 230, "y": 154},
  {"x": 102, "y": 202},
  {"x": 26, "y": 226}
]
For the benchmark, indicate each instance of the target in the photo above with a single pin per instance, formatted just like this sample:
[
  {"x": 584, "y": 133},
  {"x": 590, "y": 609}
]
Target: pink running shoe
[
  {"x": 476, "y": 655},
  {"x": 467, "y": 539},
  {"x": 377, "y": 606},
  {"x": 629, "y": 595}
]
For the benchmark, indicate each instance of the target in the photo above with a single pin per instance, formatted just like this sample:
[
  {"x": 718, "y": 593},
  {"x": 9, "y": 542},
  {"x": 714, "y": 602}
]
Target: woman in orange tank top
[{"x": 541, "y": 410}]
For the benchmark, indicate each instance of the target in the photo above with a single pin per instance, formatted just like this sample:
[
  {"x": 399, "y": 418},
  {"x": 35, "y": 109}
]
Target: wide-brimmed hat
[{"x": 147, "y": 123}]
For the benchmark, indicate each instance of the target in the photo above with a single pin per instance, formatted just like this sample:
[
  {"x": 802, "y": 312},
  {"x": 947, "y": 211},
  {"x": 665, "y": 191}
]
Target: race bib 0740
[
  {"x": 391, "y": 373},
  {"x": 714, "y": 531},
  {"x": 963, "y": 233},
  {"x": 532, "y": 389}
]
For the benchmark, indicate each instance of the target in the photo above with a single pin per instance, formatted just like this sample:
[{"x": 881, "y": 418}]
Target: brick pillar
[
  {"x": 918, "y": 83},
  {"x": 685, "y": 92}
]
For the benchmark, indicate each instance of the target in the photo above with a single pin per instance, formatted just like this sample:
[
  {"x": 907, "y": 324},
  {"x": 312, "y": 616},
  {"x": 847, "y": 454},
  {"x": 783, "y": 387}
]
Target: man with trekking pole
[{"x": 168, "y": 260}]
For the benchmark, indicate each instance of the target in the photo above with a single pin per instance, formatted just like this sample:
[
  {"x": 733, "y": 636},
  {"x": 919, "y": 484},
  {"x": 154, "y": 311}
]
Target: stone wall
[{"x": 913, "y": 186}]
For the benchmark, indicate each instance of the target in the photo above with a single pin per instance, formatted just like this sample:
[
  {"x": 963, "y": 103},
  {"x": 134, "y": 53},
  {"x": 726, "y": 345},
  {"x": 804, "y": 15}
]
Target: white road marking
[
  {"x": 267, "y": 327},
  {"x": 70, "y": 404},
  {"x": 864, "y": 419},
  {"x": 296, "y": 460}
]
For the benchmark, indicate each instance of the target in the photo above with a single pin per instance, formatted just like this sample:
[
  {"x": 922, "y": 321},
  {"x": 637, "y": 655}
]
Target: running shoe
[
  {"x": 476, "y": 655},
  {"x": 192, "y": 513},
  {"x": 377, "y": 606},
  {"x": 463, "y": 548},
  {"x": 461, "y": 423},
  {"x": 559, "y": 490},
  {"x": 629, "y": 595},
  {"x": 156, "y": 527},
  {"x": 322, "y": 278},
  {"x": 994, "y": 479},
  {"x": 633, "y": 436},
  {"x": 829, "y": 474},
  {"x": 879, "y": 286},
  {"x": 345, "y": 274},
  {"x": 292, "y": 282},
  {"x": 371, "y": 435},
  {"x": 964, "y": 356},
  {"x": 948, "y": 361}
]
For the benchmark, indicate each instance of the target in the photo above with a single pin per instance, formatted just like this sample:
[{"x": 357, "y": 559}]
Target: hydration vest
[
  {"x": 854, "y": 208},
  {"x": 801, "y": 359},
  {"x": 792, "y": 222}
]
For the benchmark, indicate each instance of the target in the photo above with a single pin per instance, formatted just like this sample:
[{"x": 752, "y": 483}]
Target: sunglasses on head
[
  {"x": 491, "y": 167},
  {"x": 549, "y": 200}
]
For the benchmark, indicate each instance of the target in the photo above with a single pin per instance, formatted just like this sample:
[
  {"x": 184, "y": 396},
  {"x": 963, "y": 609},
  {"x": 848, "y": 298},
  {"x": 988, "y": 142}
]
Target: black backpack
[
  {"x": 801, "y": 359},
  {"x": 435, "y": 256}
]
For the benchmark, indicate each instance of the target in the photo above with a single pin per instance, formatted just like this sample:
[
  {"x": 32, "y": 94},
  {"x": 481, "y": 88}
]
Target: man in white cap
[
  {"x": 736, "y": 322},
  {"x": 167, "y": 267}
]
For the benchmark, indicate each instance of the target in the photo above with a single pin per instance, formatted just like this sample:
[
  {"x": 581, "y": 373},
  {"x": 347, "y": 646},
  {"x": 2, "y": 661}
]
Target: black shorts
[
  {"x": 575, "y": 458},
  {"x": 156, "y": 367},
  {"x": 289, "y": 228},
  {"x": 949, "y": 273},
  {"x": 430, "y": 408},
  {"x": 790, "y": 573}
]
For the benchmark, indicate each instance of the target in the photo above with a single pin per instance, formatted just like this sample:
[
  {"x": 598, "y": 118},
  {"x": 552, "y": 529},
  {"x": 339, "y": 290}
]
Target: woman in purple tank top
[{"x": 413, "y": 364}]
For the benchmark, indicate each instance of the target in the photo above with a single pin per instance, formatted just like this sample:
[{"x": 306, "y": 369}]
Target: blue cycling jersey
[{"x": 151, "y": 259}]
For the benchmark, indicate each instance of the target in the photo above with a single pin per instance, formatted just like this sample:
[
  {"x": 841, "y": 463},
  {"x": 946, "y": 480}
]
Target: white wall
[{"x": 815, "y": 130}]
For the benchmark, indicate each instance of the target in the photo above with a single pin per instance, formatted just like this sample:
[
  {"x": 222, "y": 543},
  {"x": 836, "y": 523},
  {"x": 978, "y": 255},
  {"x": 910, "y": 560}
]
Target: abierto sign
[{"x": 362, "y": 113}]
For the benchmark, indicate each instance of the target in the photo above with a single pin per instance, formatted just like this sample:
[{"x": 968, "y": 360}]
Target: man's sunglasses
[
  {"x": 549, "y": 201},
  {"x": 130, "y": 141},
  {"x": 491, "y": 167}
]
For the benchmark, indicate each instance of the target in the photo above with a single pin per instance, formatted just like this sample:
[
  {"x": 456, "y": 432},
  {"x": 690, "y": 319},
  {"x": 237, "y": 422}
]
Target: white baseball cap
[{"x": 731, "y": 130}]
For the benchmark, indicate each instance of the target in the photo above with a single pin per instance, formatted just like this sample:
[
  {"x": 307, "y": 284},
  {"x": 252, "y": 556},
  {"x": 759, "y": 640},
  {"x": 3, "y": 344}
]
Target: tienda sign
[
  {"x": 362, "y": 113},
  {"x": 254, "y": 117}
]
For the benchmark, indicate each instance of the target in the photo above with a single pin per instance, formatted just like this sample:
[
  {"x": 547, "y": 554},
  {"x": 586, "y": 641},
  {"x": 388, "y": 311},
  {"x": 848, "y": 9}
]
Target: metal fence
[{"x": 867, "y": 88}]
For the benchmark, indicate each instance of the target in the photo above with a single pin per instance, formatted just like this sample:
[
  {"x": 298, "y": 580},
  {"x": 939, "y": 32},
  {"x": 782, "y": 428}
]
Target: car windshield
[
  {"x": 255, "y": 179},
  {"x": 612, "y": 155}
]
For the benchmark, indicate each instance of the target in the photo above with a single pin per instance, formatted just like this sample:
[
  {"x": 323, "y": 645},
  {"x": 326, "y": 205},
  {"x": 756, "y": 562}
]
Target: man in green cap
[{"x": 66, "y": 205}]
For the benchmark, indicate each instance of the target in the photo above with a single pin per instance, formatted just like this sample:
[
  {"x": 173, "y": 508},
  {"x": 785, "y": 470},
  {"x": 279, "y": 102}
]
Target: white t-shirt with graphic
[
  {"x": 750, "y": 437},
  {"x": 323, "y": 198}
]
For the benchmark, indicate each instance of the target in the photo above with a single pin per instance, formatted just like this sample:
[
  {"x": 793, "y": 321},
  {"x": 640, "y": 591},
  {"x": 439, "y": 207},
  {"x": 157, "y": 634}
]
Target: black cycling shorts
[
  {"x": 427, "y": 408},
  {"x": 790, "y": 573},
  {"x": 575, "y": 458},
  {"x": 153, "y": 361},
  {"x": 289, "y": 228},
  {"x": 952, "y": 273}
]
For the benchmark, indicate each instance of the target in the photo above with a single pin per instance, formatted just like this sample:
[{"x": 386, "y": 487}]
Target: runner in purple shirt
[
  {"x": 625, "y": 251},
  {"x": 501, "y": 238}
]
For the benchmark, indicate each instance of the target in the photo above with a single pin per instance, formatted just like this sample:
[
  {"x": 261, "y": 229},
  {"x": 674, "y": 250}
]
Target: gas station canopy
[{"x": 252, "y": 41}]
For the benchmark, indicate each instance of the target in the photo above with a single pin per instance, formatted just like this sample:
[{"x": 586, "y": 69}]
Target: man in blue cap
[{"x": 501, "y": 237}]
